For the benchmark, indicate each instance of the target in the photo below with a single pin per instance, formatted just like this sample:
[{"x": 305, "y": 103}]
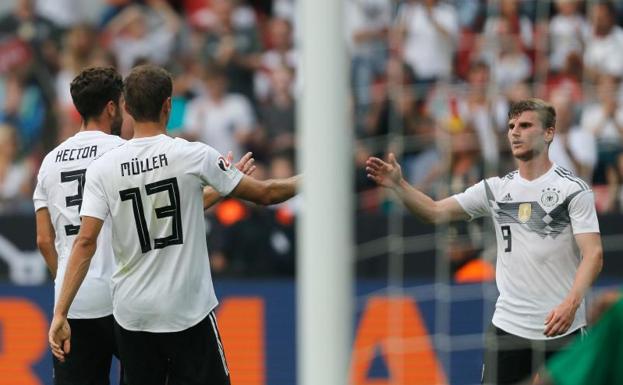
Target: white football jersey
[
  {"x": 153, "y": 189},
  {"x": 537, "y": 257},
  {"x": 60, "y": 186}
]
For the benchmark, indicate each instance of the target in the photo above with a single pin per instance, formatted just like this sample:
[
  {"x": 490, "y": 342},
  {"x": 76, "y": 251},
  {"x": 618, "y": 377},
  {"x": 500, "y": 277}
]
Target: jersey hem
[
  {"x": 89, "y": 316},
  {"x": 166, "y": 330},
  {"x": 516, "y": 332}
]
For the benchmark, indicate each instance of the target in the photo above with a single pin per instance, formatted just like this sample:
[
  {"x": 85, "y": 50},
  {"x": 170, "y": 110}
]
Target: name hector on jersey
[
  {"x": 138, "y": 166},
  {"x": 76, "y": 153}
]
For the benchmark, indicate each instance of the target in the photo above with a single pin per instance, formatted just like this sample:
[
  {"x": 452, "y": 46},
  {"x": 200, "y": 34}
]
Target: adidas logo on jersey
[{"x": 507, "y": 198}]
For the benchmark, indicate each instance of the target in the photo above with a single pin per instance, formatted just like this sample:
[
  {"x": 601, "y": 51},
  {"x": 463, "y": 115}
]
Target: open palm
[{"x": 387, "y": 174}]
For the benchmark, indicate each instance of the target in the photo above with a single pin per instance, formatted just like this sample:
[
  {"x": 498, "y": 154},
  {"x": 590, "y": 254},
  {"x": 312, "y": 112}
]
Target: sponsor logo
[{"x": 507, "y": 198}]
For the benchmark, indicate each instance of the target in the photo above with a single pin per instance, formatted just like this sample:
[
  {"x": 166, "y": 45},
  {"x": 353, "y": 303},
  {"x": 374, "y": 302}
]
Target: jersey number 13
[{"x": 172, "y": 210}]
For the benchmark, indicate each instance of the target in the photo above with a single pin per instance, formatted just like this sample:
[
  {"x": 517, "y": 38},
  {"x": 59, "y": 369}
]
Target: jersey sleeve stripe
[{"x": 579, "y": 182}]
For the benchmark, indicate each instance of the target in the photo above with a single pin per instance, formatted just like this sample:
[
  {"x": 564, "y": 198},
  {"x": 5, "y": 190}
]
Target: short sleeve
[
  {"x": 474, "y": 200},
  {"x": 218, "y": 172},
  {"x": 583, "y": 214},
  {"x": 40, "y": 196},
  {"x": 94, "y": 202}
]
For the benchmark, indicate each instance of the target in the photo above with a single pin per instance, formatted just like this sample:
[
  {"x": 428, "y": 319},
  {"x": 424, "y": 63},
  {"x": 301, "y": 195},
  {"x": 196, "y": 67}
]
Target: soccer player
[
  {"x": 548, "y": 244},
  {"x": 151, "y": 189},
  {"x": 96, "y": 93}
]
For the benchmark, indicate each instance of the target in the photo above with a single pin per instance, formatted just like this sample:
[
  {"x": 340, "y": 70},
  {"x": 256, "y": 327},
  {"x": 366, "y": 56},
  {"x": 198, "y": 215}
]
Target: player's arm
[
  {"x": 266, "y": 192},
  {"x": 389, "y": 175},
  {"x": 83, "y": 249},
  {"x": 245, "y": 164},
  {"x": 560, "y": 319},
  {"x": 45, "y": 239}
]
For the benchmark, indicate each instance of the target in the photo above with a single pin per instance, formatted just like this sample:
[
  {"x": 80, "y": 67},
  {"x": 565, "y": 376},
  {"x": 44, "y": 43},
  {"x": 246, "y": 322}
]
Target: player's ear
[
  {"x": 111, "y": 108},
  {"x": 549, "y": 134}
]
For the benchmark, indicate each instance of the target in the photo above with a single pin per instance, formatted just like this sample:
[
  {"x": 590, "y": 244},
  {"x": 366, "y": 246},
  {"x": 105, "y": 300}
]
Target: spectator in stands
[
  {"x": 280, "y": 54},
  {"x": 79, "y": 43},
  {"x": 567, "y": 30},
  {"x": 394, "y": 103},
  {"x": 367, "y": 26},
  {"x": 221, "y": 119},
  {"x": 64, "y": 13},
  {"x": 510, "y": 64},
  {"x": 572, "y": 148},
  {"x": 604, "y": 120},
  {"x": 422, "y": 160},
  {"x": 234, "y": 48},
  {"x": 16, "y": 177},
  {"x": 604, "y": 46},
  {"x": 42, "y": 36},
  {"x": 509, "y": 21},
  {"x": 427, "y": 32},
  {"x": 477, "y": 110},
  {"x": 278, "y": 114},
  {"x": 143, "y": 34},
  {"x": 23, "y": 106}
]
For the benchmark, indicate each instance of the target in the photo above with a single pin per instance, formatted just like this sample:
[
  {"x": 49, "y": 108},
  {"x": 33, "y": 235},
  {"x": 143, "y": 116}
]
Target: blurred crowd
[{"x": 431, "y": 80}]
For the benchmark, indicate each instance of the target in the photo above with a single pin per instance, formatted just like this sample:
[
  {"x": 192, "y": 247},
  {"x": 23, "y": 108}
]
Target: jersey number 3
[
  {"x": 74, "y": 200},
  {"x": 172, "y": 210}
]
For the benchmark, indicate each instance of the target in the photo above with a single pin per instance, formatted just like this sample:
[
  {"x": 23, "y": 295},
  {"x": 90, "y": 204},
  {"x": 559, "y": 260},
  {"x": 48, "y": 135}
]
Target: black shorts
[
  {"x": 509, "y": 359},
  {"x": 194, "y": 356},
  {"x": 92, "y": 347}
]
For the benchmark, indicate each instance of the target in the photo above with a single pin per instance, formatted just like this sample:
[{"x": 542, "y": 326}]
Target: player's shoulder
[
  {"x": 49, "y": 160},
  {"x": 191, "y": 148},
  {"x": 568, "y": 181},
  {"x": 509, "y": 177},
  {"x": 103, "y": 160},
  {"x": 499, "y": 181}
]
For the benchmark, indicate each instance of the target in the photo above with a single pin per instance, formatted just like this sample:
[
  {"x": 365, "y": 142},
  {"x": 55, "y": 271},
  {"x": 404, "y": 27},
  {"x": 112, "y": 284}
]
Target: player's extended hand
[
  {"x": 245, "y": 164},
  {"x": 386, "y": 174},
  {"x": 560, "y": 319},
  {"x": 59, "y": 337}
]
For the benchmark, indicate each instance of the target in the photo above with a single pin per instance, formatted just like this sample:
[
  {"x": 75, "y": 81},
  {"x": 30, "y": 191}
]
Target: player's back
[
  {"x": 153, "y": 189},
  {"x": 59, "y": 188}
]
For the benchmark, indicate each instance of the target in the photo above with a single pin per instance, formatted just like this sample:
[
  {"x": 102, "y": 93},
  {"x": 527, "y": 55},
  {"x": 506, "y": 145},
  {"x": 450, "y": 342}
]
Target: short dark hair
[
  {"x": 547, "y": 113},
  {"x": 93, "y": 88},
  {"x": 146, "y": 89}
]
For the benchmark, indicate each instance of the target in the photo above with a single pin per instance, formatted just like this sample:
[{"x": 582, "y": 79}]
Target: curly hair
[{"x": 93, "y": 88}]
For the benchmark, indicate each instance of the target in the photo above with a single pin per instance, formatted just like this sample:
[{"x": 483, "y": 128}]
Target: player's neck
[
  {"x": 535, "y": 167},
  {"x": 95, "y": 125},
  {"x": 147, "y": 129}
]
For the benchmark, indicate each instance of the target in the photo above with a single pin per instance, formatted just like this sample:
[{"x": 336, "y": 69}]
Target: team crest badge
[
  {"x": 525, "y": 212},
  {"x": 550, "y": 197}
]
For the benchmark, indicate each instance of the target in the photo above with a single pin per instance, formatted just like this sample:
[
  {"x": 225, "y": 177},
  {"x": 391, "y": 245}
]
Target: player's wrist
[
  {"x": 399, "y": 184},
  {"x": 575, "y": 300}
]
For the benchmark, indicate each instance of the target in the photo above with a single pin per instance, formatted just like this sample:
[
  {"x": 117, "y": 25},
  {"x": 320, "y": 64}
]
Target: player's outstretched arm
[
  {"x": 245, "y": 164},
  {"x": 45, "y": 239},
  {"x": 266, "y": 192},
  {"x": 389, "y": 175},
  {"x": 77, "y": 268},
  {"x": 560, "y": 319}
]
